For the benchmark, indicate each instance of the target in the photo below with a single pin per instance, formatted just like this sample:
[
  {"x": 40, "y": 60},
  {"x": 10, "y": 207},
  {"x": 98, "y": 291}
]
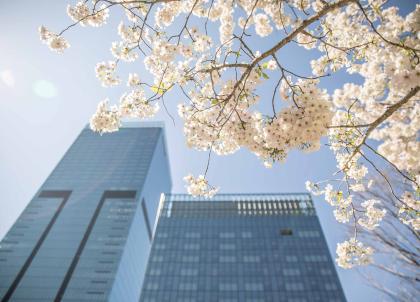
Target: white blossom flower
[
  {"x": 352, "y": 252},
  {"x": 262, "y": 25},
  {"x": 81, "y": 13},
  {"x": 202, "y": 43},
  {"x": 409, "y": 213},
  {"x": 373, "y": 215},
  {"x": 313, "y": 188},
  {"x": 55, "y": 43},
  {"x": 357, "y": 187},
  {"x": 100, "y": 16},
  {"x": 331, "y": 196},
  {"x": 128, "y": 34},
  {"x": 105, "y": 119},
  {"x": 133, "y": 80},
  {"x": 186, "y": 50},
  {"x": 343, "y": 213},
  {"x": 105, "y": 72},
  {"x": 306, "y": 41},
  {"x": 45, "y": 34},
  {"x": 165, "y": 14},
  {"x": 135, "y": 104},
  {"x": 271, "y": 65},
  {"x": 58, "y": 44},
  {"x": 199, "y": 186},
  {"x": 123, "y": 51}
]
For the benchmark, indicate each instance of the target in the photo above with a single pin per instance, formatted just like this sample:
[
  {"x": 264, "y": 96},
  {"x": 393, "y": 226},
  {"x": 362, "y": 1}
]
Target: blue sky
[{"x": 46, "y": 99}]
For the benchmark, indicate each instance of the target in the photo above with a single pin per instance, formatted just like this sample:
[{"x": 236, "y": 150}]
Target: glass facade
[
  {"x": 240, "y": 247},
  {"x": 86, "y": 235}
]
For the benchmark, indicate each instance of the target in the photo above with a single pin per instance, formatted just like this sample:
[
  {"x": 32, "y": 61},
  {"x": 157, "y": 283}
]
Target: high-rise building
[
  {"x": 240, "y": 247},
  {"x": 86, "y": 234}
]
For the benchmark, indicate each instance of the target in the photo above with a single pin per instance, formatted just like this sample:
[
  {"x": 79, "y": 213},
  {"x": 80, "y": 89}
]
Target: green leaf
[
  {"x": 159, "y": 90},
  {"x": 339, "y": 195}
]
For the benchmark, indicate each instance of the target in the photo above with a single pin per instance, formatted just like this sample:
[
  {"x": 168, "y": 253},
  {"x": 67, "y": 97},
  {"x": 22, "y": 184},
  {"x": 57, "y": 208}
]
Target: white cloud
[
  {"x": 6, "y": 76},
  {"x": 44, "y": 89}
]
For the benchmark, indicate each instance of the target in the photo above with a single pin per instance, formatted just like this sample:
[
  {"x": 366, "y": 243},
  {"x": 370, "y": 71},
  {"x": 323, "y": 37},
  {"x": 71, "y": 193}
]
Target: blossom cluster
[
  {"x": 373, "y": 215},
  {"x": 105, "y": 119},
  {"x": 82, "y": 14},
  {"x": 199, "y": 186},
  {"x": 132, "y": 105},
  {"x": 105, "y": 72},
  {"x": 135, "y": 104},
  {"x": 55, "y": 43},
  {"x": 352, "y": 252},
  {"x": 410, "y": 211}
]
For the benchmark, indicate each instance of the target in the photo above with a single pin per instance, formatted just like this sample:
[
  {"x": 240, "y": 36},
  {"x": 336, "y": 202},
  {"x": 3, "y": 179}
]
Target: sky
[{"x": 46, "y": 99}]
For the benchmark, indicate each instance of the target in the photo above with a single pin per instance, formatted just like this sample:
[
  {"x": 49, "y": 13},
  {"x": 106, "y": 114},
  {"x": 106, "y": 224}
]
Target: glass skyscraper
[
  {"x": 240, "y": 247},
  {"x": 86, "y": 234}
]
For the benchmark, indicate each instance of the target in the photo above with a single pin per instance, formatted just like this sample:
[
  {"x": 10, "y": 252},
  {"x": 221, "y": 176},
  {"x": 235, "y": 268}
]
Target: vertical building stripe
[
  {"x": 146, "y": 219},
  {"x": 44, "y": 194},
  {"x": 76, "y": 258}
]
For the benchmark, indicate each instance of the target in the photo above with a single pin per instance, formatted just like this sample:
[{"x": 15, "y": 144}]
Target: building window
[
  {"x": 255, "y": 286},
  {"x": 95, "y": 293},
  {"x": 190, "y": 258},
  {"x": 315, "y": 258},
  {"x": 291, "y": 272},
  {"x": 154, "y": 272},
  {"x": 291, "y": 258},
  {"x": 152, "y": 286},
  {"x": 325, "y": 272},
  {"x": 189, "y": 272},
  {"x": 228, "y": 286},
  {"x": 246, "y": 234},
  {"x": 309, "y": 234},
  {"x": 294, "y": 286},
  {"x": 157, "y": 258},
  {"x": 286, "y": 232},
  {"x": 227, "y": 246},
  {"x": 330, "y": 286},
  {"x": 192, "y": 246},
  {"x": 227, "y": 259},
  {"x": 251, "y": 258},
  {"x": 160, "y": 246},
  {"x": 98, "y": 282},
  {"x": 188, "y": 286},
  {"x": 227, "y": 235},
  {"x": 192, "y": 235},
  {"x": 162, "y": 235}
]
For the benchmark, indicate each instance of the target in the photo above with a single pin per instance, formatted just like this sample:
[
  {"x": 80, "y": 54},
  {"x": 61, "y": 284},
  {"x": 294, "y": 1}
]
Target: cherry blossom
[
  {"x": 133, "y": 80},
  {"x": 352, "y": 252},
  {"x": 199, "y": 186},
  {"x": 82, "y": 14},
  {"x": 105, "y": 72},
  {"x": 105, "y": 119},
  {"x": 123, "y": 51},
  {"x": 409, "y": 212},
  {"x": 135, "y": 104},
  {"x": 373, "y": 215},
  {"x": 55, "y": 43},
  {"x": 262, "y": 25}
]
